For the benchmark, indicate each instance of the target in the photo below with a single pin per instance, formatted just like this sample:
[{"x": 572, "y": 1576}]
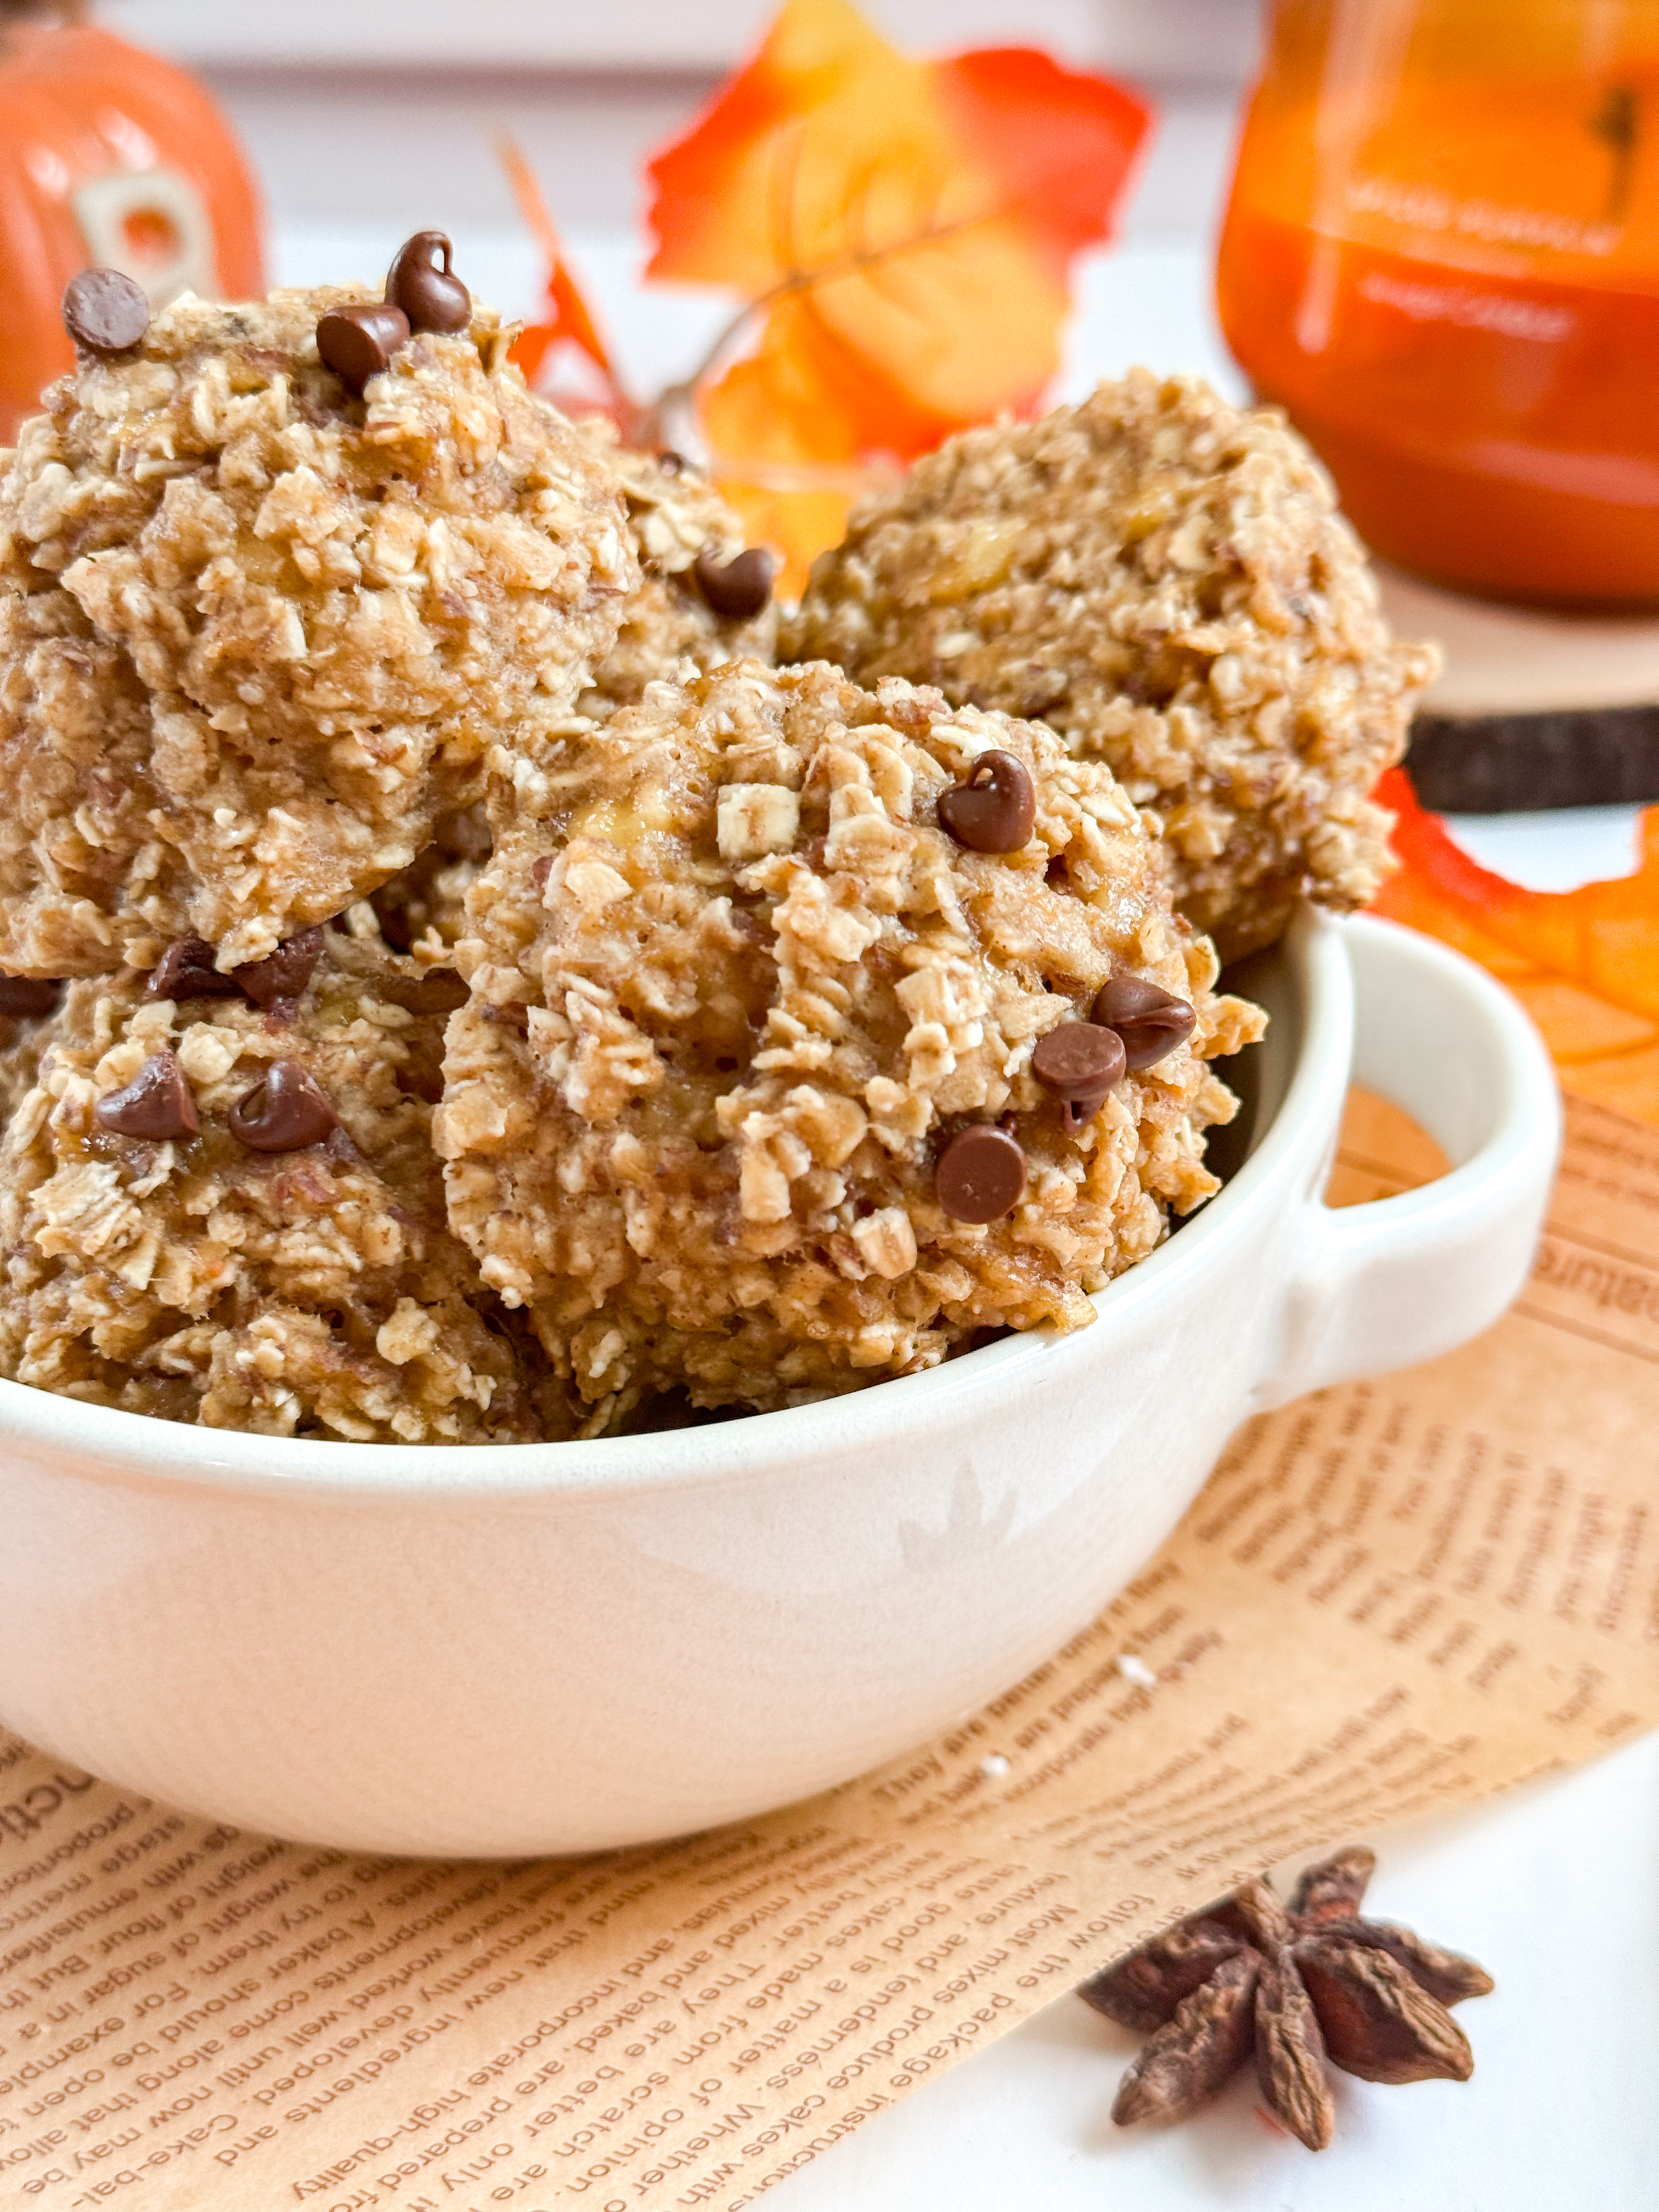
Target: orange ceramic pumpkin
[{"x": 107, "y": 156}]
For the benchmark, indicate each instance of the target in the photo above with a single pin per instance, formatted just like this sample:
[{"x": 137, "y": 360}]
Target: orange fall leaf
[
  {"x": 1585, "y": 964},
  {"x": 903, "y": 228},
  {"x": 568, "y": 325}
]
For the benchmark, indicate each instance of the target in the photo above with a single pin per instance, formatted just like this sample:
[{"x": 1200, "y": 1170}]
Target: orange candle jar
[
  {"x": 1442, "y": 256},
  {"x": 107, "y": 156}
]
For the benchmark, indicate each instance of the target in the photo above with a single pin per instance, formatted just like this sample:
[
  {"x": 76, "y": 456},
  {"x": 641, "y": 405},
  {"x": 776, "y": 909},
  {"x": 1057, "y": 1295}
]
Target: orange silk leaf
[
  {"x": 904, "y": 228},
  {"x": 1585, "y": 964},
  {"x": 543, "y": 350}
]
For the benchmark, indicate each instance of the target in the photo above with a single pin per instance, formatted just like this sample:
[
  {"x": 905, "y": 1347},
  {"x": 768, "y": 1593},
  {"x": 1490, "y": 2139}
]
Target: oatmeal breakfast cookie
[
  {"x": 256, "y": 633},
  {"x": 226, "y": 1209},
  {"x": 773, "y": 1080},
  {"x": 1165, "y": 581},
  {"x": 702, "y": 596}
]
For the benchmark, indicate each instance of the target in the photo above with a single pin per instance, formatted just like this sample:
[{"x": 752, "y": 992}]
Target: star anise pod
[{"x": 1294, "y": 1985}]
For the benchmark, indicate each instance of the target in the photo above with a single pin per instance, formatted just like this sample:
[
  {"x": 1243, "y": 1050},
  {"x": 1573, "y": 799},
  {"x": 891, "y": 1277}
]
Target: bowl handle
[{"x": 1402, "y": 1279}]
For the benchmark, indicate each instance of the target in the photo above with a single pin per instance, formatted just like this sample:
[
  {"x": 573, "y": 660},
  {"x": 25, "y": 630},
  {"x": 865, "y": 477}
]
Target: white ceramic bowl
[{"x": 557, "y": 1647}]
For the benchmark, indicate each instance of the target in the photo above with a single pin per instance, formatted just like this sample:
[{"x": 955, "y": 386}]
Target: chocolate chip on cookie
[
  {"x": 186, "y": 970},
  {"x": 980, "y": 1174},
  {"x": 993, "y": 808},
  {"x": 357, "y": 342},
  {"x": 280, "y": 980},
  {"x": 1151, "y": 1020},
  {"x": 285, "y": 1111},
  {"x": 736, "y": 590},
  {"x": 431, "y": 298},
  {"x": 105, "y": 312},
  {"x": 1080, "y": 1062},
  {"x": 156, "y": 1104}
]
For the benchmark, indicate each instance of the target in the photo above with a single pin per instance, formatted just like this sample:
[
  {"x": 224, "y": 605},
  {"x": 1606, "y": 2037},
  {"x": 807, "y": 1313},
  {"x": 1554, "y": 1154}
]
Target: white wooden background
[
  {"x": 376, "y": 111},
  {"x": 1209, "y": 40}
]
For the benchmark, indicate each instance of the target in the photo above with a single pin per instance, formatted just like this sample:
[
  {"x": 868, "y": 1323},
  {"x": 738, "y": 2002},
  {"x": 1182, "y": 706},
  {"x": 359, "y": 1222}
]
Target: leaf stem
[{"x": 809, "y": 280}]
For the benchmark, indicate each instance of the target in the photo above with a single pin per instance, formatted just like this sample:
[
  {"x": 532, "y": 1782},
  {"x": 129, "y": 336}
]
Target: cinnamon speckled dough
[
  {"x": 732, "y": 989},
  {"x": 257, "y": 635},
  {"x": 667, "y": 629},
  {"x": 1165, "y": 581},
  {"x": 314, "y": 1292},
  {"x": 674, "y": 514}
]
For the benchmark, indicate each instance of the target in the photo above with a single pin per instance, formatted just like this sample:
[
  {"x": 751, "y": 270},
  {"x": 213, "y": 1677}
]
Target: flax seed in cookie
[
  {"x": 747, "y": 1099},
  {"x": 1164, "y": 580},
  {"x": 258, "y": 632}
]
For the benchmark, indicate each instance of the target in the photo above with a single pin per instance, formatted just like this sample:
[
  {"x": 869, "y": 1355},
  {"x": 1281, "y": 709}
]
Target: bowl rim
[{"x": 110, "y": 1444}]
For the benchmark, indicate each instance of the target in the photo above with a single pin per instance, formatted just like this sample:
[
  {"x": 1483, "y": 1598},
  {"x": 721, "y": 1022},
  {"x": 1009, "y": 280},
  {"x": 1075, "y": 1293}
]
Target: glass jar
[{"x": 1442, "y": 257}]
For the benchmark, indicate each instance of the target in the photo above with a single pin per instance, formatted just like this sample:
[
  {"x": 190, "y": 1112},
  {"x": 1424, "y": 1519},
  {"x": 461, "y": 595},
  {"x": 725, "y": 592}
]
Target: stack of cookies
[{"x": 471, "y": 968}]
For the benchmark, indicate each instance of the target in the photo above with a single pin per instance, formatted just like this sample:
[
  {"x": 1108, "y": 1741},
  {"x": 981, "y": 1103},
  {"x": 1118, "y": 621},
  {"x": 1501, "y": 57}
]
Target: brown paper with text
[{"x": 1391, "y": 1597}]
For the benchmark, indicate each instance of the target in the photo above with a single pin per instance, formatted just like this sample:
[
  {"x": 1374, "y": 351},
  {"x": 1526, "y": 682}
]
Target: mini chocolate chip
[
  {"x": 281, "y": 979},
  {"x": 284, "y": 1112},
  {"x": 540, "y": 869},
  {"x": 157, "y": 1103},
  {"x": 358, "y": 341},
  {"x": 186, "y": 970},
  {"x": 993, "y": 808},
  {"x": 105, "y": 312},
  {"x": 980, "y": 1174},
  {"x": 1151, "y": 1020},
  {"x": 432, "y": 299},
  {"x": 672, "y": 464},
  {"x": 23, "y": 997},
  {"x": 1078, "y": 1060},
  {"x": 736, "y": 590}
]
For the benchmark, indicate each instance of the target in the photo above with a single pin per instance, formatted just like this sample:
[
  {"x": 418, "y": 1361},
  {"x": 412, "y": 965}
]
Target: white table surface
[{"x": 1555, "y": 1891}]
